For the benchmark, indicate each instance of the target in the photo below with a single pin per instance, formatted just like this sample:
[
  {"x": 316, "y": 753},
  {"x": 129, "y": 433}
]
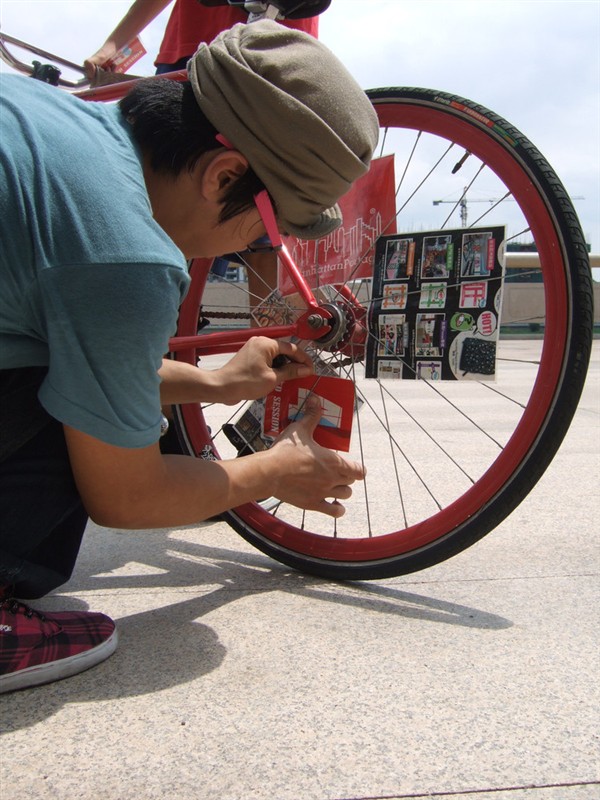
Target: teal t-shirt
[{"x": 90, "y": 285}]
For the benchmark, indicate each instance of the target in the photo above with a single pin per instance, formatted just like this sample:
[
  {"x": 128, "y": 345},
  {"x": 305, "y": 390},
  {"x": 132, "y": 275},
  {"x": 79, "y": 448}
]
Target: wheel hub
[{"x": 342, "y": 323}]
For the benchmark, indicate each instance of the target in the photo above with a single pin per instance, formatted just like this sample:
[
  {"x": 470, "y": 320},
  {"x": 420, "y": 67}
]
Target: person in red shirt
[{"x": 189, "y": 24}]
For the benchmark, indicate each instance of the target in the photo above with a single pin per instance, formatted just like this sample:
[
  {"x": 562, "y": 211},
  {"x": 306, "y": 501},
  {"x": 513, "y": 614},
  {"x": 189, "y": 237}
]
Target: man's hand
[
  {"x": 101, "y": 59},
  {"x": 140, "y": 488},
  {"x": 251, "y": 373}
]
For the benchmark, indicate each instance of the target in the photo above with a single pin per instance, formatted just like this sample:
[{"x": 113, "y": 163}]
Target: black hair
[{"x": 171, "y": 129}]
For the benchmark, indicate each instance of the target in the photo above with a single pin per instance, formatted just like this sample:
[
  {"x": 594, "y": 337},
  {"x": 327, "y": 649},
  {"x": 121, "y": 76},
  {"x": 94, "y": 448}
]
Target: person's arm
[
  {"x": 141, "y": 488},
  {"x": 141, "y": 14},
  {"x": 247, "y": 376}
]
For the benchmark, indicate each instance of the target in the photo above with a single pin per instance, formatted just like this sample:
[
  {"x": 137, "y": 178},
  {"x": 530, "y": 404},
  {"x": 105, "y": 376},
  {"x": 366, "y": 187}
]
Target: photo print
[
  {"x": 477, "y": 254},
  {"x": 436, "y": 261},
  {"x": 399, "y": 259},
  {"x": 430, "y": 334},
  {"x": 393, "y": 335},
  {"x": 389, "y": 370}
]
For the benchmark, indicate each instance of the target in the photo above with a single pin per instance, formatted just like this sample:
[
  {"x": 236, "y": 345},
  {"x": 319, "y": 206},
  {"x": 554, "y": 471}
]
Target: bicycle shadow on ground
[{"x": 167, "y": 645}]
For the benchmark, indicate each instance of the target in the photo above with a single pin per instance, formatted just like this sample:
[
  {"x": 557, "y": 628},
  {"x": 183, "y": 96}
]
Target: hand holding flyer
[
  {"x": 285, "y": 405},
  {"x": 127, "y": 56}
]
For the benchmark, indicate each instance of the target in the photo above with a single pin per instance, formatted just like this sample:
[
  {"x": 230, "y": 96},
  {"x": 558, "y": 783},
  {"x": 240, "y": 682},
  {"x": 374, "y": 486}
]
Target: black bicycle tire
[{"x": 566, "y": 395}]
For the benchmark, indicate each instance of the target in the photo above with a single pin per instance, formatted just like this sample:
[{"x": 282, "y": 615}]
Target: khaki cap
[{"x": 289, "y": 105}]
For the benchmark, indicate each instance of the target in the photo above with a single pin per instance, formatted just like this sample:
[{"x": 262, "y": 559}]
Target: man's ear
[{"x": 224, "y": 168}]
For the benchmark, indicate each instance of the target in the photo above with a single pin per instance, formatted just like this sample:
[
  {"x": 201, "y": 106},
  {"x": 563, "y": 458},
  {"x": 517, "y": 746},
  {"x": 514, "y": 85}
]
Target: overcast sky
[{"x": 535, "y": 62}]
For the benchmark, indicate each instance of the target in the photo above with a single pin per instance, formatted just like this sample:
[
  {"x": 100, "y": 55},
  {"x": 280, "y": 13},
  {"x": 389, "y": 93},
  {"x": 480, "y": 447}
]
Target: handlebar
[
  {"x": 51, "y": 74},
  {"x": 30, "y": 69}
]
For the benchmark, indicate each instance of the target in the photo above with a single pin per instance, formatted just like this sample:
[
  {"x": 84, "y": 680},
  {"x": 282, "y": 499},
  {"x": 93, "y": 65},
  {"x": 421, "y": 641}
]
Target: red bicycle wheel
[{"x": 445, "y": 463}]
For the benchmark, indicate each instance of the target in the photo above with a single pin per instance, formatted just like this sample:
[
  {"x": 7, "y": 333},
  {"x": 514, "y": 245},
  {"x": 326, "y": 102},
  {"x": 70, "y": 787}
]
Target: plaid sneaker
[{"x": 38, "y": 648}]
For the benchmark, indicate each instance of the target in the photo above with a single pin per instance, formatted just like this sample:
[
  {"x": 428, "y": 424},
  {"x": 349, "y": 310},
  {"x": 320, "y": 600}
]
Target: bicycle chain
[{"x": 224, "y": 315}]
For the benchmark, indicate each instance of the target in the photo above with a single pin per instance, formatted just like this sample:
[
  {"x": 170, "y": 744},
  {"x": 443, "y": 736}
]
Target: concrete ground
[{"x": 237, "y": 679}]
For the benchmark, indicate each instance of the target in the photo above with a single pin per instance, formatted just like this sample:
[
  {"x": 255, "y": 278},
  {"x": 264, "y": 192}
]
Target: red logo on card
[{"x": 128, "y": 55}]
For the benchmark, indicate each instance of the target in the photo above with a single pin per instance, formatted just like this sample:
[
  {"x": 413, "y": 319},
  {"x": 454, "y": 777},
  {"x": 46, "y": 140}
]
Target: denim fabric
[
  {"x": 163, "y": 69},
  {"x": 21, "y": 415},
  {"x": 42, "y": 519}
]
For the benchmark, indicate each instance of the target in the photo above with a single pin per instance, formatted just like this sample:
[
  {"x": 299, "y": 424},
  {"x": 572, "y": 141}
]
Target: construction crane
[{"x": 462, "y": 203}]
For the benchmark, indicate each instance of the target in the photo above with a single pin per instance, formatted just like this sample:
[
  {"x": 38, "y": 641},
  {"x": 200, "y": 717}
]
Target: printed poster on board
[{"x": 436, "y": 307}]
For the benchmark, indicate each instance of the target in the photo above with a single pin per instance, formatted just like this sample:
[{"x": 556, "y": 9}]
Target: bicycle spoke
[
  {"x": 393, "y": 455},
  {"x": 362, "y": 461},
  {"x": 462, "y": 199}
]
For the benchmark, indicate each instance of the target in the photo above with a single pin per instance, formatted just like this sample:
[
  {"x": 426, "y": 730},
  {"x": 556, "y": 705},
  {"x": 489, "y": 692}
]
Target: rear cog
[{"x": 342, "y": 326}]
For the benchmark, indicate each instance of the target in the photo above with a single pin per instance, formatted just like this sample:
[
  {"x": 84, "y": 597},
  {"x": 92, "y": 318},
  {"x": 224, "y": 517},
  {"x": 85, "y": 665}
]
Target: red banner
[{"x": 346, "y": 254}]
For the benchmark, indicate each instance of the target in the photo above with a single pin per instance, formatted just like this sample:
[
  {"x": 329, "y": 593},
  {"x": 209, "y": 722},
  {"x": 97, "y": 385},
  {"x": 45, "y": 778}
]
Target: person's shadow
[{"x": 167, "y": 646}]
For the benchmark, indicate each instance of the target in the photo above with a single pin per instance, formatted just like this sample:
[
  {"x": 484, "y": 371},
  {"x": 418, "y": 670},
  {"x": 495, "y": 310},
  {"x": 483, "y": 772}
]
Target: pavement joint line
[
  {"x": 503, "y": 578},
  {"x": 458, "y": 794},
  {"x": 349, "y": 585}
]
